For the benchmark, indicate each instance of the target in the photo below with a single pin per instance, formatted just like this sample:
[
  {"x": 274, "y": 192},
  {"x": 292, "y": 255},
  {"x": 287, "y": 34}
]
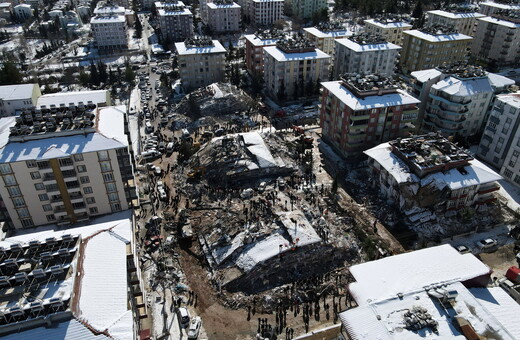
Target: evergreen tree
[
  {"x": 281, "y": 95},
  {"x": 103, "y": 75},
  {"x": 418, "y": 10},
  {"x": 138, "y": 28},
  {"x": 9, "y": 74},
  {"x": 94, "y": 75}
]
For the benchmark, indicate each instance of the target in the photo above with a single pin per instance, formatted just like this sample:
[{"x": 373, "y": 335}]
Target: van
[
  {"x": 184, "y": 316},
  {"x": 150, "y": 154},
  {"x": 169, "y": 147},
  {"x": 148, "y": 127}
]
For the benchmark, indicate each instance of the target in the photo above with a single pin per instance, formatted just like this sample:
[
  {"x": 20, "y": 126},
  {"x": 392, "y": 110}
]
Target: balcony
[
  {"x": 59, "y": 209},
  {"x": 63, "y": 220},
  {"x": 488, "y": 189},
  {"x": 82, "y": 217}
]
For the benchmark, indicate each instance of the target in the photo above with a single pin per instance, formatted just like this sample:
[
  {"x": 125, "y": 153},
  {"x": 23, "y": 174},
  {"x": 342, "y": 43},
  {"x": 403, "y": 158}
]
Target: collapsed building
[{"x": 427, "y": 176}]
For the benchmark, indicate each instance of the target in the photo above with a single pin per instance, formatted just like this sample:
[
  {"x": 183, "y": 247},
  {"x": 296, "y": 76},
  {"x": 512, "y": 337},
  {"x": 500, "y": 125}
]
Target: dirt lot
[{"x": 500, "y": 260}]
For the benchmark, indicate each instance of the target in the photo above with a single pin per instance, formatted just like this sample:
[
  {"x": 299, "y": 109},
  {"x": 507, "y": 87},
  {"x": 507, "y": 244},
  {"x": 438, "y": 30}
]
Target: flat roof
[
  {"x": 456, "y": 15},
  {"x": 354, "y": 46},
  {"x": 394, "y": 24},
  {"x": 425, "y": 75},
  {"x": 499, "y": 5},
  {"x": 500, "y": 22},
  {"x": 16, "y": 92},
  {"x": 369, "y": 102},
  {"x": 280, "y": 55},
  {"x": 183, "y": 50},
  {"x": 213, "y": 5},
  {"x": 439, "y": 37},
  {"x": 109, "y": 135},
  {"x": 255, "y": 41},
  {"x": 107, "y": 19},
  {"x": 328, "y": 34},
  {"x": 109, "y": 10},
  {"x": 97, "y": 97},
  {"x": 464, "y": 87},
  {"x": 169, "y": 11}
]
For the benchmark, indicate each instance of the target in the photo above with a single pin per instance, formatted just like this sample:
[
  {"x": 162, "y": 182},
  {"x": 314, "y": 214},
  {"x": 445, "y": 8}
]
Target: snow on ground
[
  {"x": 510, "y": 194},
  {"x": 499, "y": 233}
]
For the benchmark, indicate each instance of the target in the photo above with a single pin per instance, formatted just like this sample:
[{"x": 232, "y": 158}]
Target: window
[
  {"x": 115, "y": 207},
  {"x": 93, "y": 210},
  {"x": 35, "y": 175},
  {"x": 14, "y": 191},
  {"x": 18, "y": 202},
  {"x": 81, "y": 168},
  {"x": 113, "y": 197},
  {"x": 88, "y": 190},
  {"x": 78, "y": 157},
  {"x": 103, "y": 155},
  {"x": 43, "y": 165},
  {"x": 517, "y": 179},
  {"x": 108, "y": 177},
  {"x": 9, "y": 180},
  {"x": 105, "y": 166},
  {"x": 23, "y": 212},
  {"x": 27, "y": 222},
  {"x": 43, "y": 197},
  {"x": 91, "y": 200},
  {"x": 30, "y": 164},
  {"x": 5, "y": 169},
  {"x": 111, "y": 187},
  {"x": 78, "y": 205},
  {"x": 47, "y": 207},
  {"x": 508, "y": 173},
  {"x": 84, "y": 179},
  {"x": 65, "y": 161},
  {"x": 51, "y": 218}
]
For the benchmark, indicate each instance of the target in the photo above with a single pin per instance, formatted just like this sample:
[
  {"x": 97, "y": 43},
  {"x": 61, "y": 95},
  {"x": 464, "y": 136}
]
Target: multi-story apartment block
[
  {"x": 500, "y": 142},
  {"x": 64, "y": 164},
  {"x": 359, "y": 112},
  {"x": 497, "y": 39},
  {"x": 304, "y": 9},
  {"x": 462, "y": 22},
  {"x": 14, "y": 98},
  {"x": 431, "y": 47},
  {"x": 458, "y": 104},
  {"x": 391, "y": 28},
  {"x": 110, "y": 31},
  {"x": 365, "y": 53},
  {"x": 264, "y": 12},
  {"x": 23, "y": 11},
  {"x": 223, "y": 16},
  {"x": 255, "y": 44},
  {"x": 293, "y": 68},
  {"x": 489, "y": 8},
  {"x": 324, "y": 34},
  {"x": 201, "y": 62},
  {"x": 175, "y": 21}
]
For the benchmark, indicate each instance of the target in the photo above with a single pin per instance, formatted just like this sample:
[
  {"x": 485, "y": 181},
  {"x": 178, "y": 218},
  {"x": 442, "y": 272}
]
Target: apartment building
[
  {"x": 500, "y": 142},
  {"x": 264, "y": 12},
  {"x": 64, "y": 164},
  {"x": 431, "y": 47},
  {"x": 223, "y": 16},
  {"x": 175, "y": 21},
  {"x": 462, "y": 22},
  {"x": 365, "y": 53},
  {"x": 304, "y": 9},
  {"x": 358, "y": 112},
  {"x": 497, "y": 39},
  {"x": 459, "y": 103},
  {"x": 14, "y": 98},
  {"x": 293, "y": 68},
  {"x": 324, "y": 34},
  {"x": 255, "y": 44},
  {"x": 110, "y": 31},
  {"x": 390, "y": 28},
  {"x": 488, "y": 8},
  {"x": 23, "y": 11},
  {"x": 201, "y": 62}
]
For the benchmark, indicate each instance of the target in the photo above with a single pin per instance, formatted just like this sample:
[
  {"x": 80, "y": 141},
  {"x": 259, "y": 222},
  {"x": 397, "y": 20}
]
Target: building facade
[
  {"x": 497, "y": 39},
  {"x": 365, "y": 54},
  {"x": 264, "y": 12},
  {"x": 431, "y": 47},
  {"x": 304, "y": 9},
  {"x": 110, "y": 32},
  {"x": 390, "y": 29},
  {"x": 356, "y": 112},
  {"x": 201, "y": 62},
  {"x": 53, "y": 174},
  {"x": 462, "y": 22},
  {"x": 255, "y": 44},
  {"x": 294, "y": 68},
  {"x": 14, "y": 98},
  {"x": 488, "y": 8},
  {"x": 175, "y": 21},
  {"x": 223, "y": 16},
  {"x": 323, "y": 35}
]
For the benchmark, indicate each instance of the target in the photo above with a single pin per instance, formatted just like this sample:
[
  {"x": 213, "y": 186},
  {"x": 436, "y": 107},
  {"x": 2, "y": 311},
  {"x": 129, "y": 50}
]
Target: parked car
[
  {"x": 487, "y": 244},
  {"x": 262, "y": 186},
  {"x": 184, "y": 316},
  {"x": 463, "y": 249},
  {"x": 194, "y": 328}
]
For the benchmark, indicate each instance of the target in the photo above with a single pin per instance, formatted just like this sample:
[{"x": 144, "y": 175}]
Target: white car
[
  {"x": 486, "y": 243},
  {"x": 463, "y": 249},
  {"x": 194, "y": 328},
  {"x": 162, "y": 194}
]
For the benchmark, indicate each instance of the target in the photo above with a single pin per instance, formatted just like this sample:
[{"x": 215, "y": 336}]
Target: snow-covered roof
[
  {"x": 26, "y": 6},
  {"x": 456, "y": 15},
  {"x": 512, "y": 99},
  {"x": 404, "y": 273},
  {"x": 109, "y": 10},
  {"x": 499, "y": 5},
  {"x": 369, "y": 102},
  {"x": 69, "y": 330},
  {"x": 438, "y": 37},
  {"x": 171, "y": 11},
  {"x": 328, "y": 34},
  {"x": 299, "y": 228},
  {"x": 385, "y": 320},
  {"x": 499, "y": 81},
  {"x": 97, "y": 97},
  {"x": 394, "y": 24},
  {"x": 426, "y": 75},
  {"x": 182, "y": 49},
  {"x": 476, "y": 173},
  {"x": 108, "y": 19},
  {"x": 500, "y": 22},
  {"x": 255, "y": 144},
  {"x": 260, "y": 251},
  {"x": 463, "y": 87},
  {"x": 213, "y": 5},
  {"x": 280, "y": 55},
  {"x": 16, "y": 92},
  {"x": 354, "y": 46},
  {"x": 255, "y": 41},
  {"x": 109, "y": 135}
]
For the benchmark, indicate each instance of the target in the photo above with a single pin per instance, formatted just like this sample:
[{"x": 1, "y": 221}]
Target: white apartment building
[
  {"x": 175, "y": 21},
  {"x": 458, "y": 105},
  {"x": 464, "y": 22},
  {"x": 365, "y": 54},
  {"x": 23, "y": 11},
  {"x": 255, "y": 44},
  {"x": 500, "y": 143},
  {"x": 323, "y": 36},
  {"x": 293, "y": 69},
  {"x": 497, "y": 39},
  {"x": 489, "y": 8},
  {"x": 109, "y": 31},
  {"x": 72, "y": 163},
  {"x": 304, "y": 9},
  {"x": 201, "y": 62},
  {"x": 223, "y": 16},
  {"x": 391, "y": 30},
  {"x": 264, "y": 12},
  {"x": 17, "y": 97}
]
